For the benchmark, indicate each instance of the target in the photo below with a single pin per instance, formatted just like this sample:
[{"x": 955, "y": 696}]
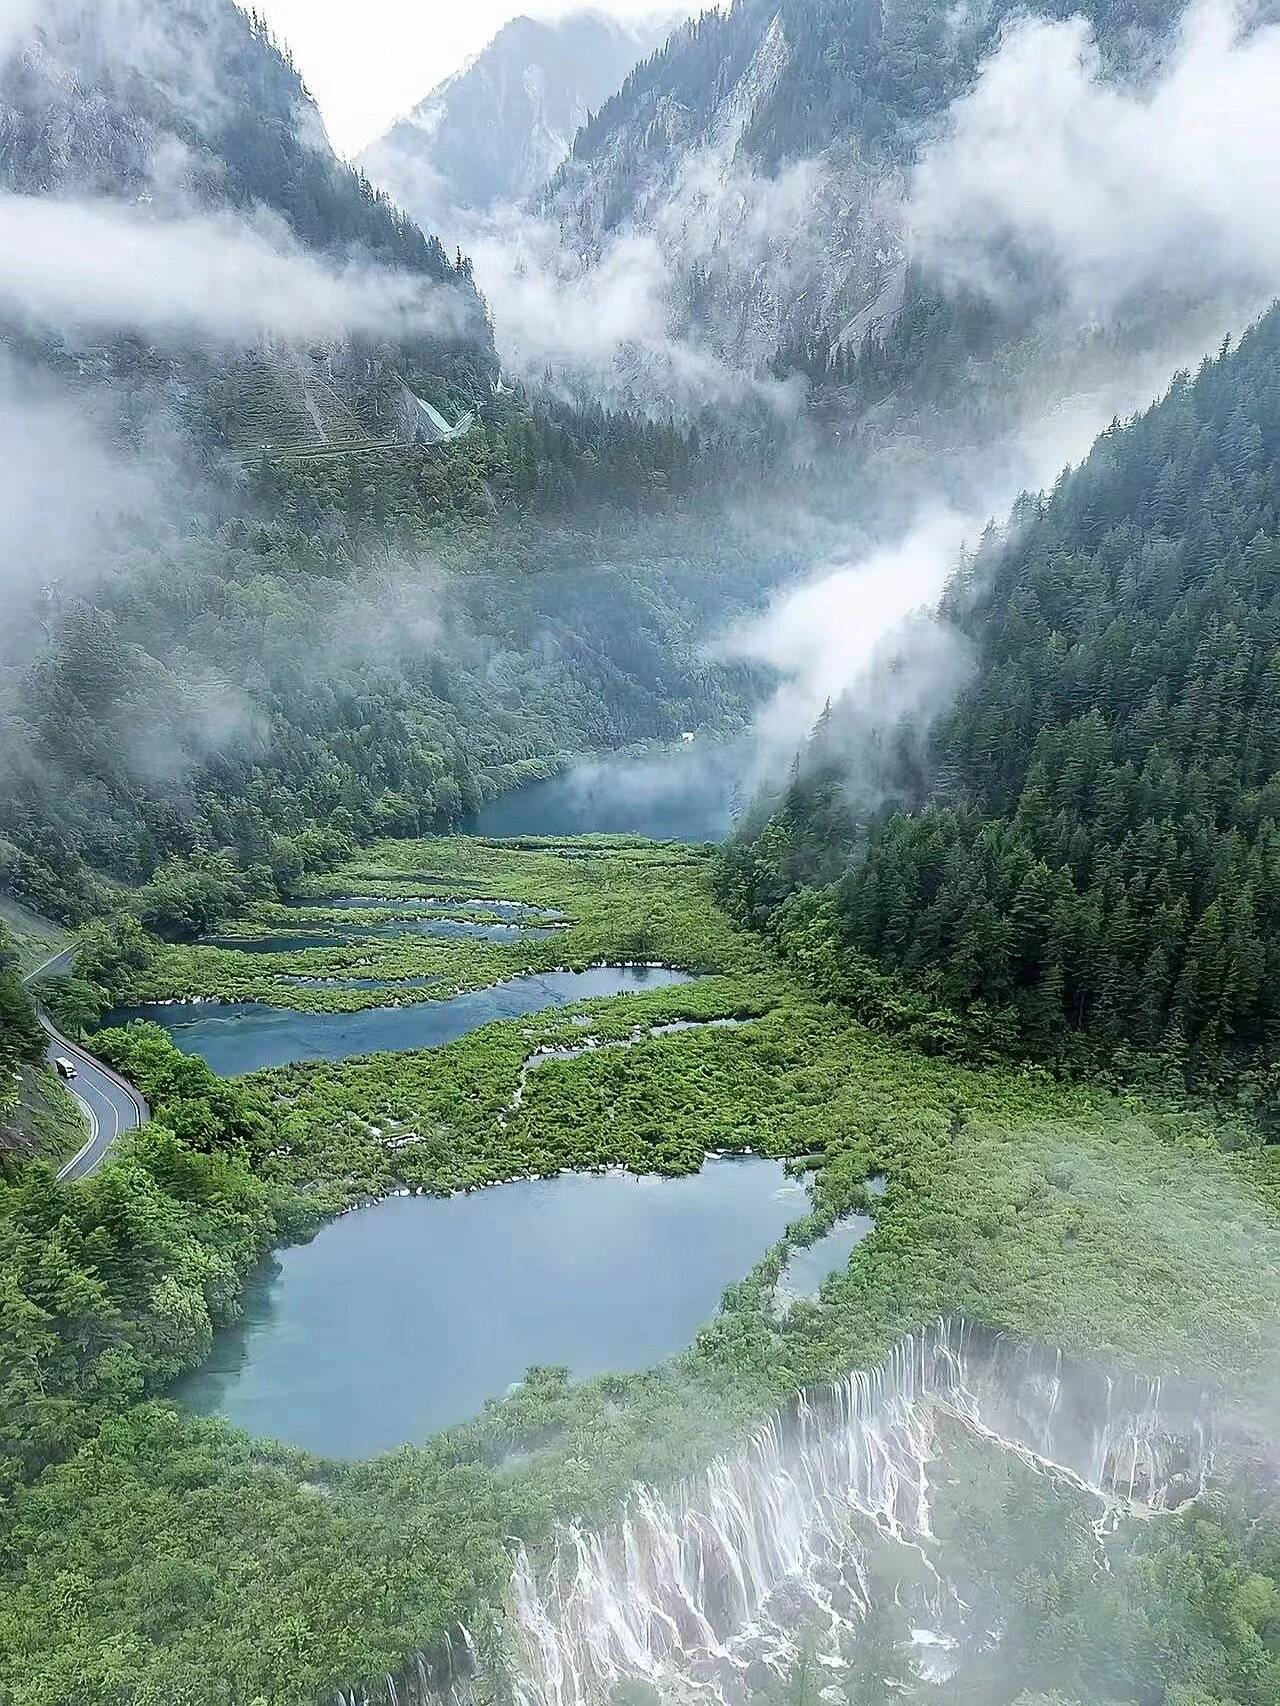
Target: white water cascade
[
  {"x": 702, "y": 1584},
  {"x": 699, "y": 1589}
]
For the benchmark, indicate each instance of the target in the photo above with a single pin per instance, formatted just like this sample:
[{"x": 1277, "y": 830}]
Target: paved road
[{"x": 108, "y": 1102}]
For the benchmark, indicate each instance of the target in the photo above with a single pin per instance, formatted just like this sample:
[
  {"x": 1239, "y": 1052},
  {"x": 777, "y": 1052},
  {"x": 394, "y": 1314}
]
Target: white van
[{"x": 66, "y": 1068}]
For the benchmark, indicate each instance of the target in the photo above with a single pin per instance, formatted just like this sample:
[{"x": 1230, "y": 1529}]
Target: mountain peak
[{"x": 494, "y": 132}]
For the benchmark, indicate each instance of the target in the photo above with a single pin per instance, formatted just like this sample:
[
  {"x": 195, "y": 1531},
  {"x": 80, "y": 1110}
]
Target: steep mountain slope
[
  {"x": 496, "y": 131},
  {"x": 1094, "y": 860},
  {"x": 131, "y": 124},
  {"x": 766, "y": 148},
  {"x": 248, "y": 422}
]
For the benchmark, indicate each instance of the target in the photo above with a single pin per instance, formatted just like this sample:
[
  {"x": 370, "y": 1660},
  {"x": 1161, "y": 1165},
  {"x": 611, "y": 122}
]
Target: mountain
[
  {"x": 248, "y": 420},
  {"x": 766, "y": 150},
  {"x": 495, "y": 132},
  {"x": 1087, "y": 863},
  {"x": 177, "y": 140}
]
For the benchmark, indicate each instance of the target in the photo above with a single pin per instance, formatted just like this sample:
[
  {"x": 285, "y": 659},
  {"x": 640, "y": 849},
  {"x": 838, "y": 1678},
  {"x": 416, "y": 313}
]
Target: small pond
[
  {"x": 805, "y": 1270},
  {"x": 246, "y": 1036},
  {"x": 405, "y": 1317}
]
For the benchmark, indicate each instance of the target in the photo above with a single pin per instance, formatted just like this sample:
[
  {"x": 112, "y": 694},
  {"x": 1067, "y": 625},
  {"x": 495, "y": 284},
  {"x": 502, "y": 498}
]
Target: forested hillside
[
  {"x": 248, "y": 293},
  {"x": 171, "y": 109},
  {"x": 372, "y": 649},
  {"x": 1091, "y": 856},
  {"x": 293, "y": 580},
  {"x": 21, "y": 1039},
  {"x": 262, "y": 581}
]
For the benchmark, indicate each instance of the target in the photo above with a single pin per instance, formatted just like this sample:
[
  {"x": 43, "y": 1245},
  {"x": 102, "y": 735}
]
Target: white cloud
[
  {"x": 1050, "y": 176},
  {"x": 99, "y": 266},
  {"x": 17, "y": 17},
  {"x": 615, "y": 326},
  {"x": 824, "y": 635},
  {"x": 62, "y": 489},
  {"x": 1052, "y": 185},
  {"x": 368, "y": 63}
]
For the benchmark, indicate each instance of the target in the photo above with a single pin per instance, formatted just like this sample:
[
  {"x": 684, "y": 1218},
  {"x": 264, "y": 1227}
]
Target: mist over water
[
  {"x": 691, "y": 793},
  {"x": 705, "y": 1586}
]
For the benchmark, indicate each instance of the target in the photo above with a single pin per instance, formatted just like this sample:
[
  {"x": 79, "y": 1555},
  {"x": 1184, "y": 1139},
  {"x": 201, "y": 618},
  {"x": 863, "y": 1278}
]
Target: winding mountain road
[{"x": 109, "y": 1103}]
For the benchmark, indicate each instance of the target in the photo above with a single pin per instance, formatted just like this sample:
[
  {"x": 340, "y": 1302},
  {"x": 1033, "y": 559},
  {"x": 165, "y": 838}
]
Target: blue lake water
[
  {"x": 405, "y": 1317},
  {"x": 246, "y": 1036},
  {"x": 805, "y": 1270},
  {"x": 691, "y": 793}
]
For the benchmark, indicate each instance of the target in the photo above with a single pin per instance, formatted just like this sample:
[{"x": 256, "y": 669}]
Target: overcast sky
[{"x": 366, "y": 61}]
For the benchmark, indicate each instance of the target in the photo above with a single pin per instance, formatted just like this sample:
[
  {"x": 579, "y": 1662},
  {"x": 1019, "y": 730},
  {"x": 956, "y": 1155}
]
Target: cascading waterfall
[{"x": 704, "y": 1585}]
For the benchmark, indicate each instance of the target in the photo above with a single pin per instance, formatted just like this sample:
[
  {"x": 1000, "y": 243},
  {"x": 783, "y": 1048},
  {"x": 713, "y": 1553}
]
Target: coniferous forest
[
  {"x": 1087, "y": 854},
  {"x": 796, "y": 1185}
]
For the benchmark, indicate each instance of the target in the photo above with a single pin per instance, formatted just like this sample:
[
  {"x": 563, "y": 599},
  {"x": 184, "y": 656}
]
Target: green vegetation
[
  {"x": 436, "y": 688},
  {"x": 31, "y": 1109},
  {"x": 1186, "y": 1611},
  {"x": 277, "y": 652},
  {"x": 1096, "y": 876},
  {"x": 1055, "y": 1210},
  {"x": 34, "y": 940},
  {"x": 619, "y": 900},
  {"x": 42, "y": 1120}
]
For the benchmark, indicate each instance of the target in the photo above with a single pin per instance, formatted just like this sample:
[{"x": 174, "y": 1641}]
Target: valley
[
  {"x": 639, "y": 854},
  {"x": 1066, "y": 1215}
]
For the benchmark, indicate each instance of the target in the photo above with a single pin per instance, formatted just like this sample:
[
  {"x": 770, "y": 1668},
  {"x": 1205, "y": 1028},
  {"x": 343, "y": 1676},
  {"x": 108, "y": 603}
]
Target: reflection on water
[
  {"x": 692, "y": 793},
  {"x": 245, "y": 1036},
  {"x": 403, "y": 1318}
]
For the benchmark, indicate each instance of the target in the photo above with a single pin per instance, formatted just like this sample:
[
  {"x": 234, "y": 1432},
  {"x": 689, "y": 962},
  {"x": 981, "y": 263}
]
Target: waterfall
[{"x": 702, "y": 1586}]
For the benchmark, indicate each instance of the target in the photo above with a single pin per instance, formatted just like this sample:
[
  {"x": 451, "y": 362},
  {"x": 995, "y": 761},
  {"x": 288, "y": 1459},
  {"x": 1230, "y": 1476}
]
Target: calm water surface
[
  {"x": 805, "y": 1270},
  {"x": 245, "y": 1036},
  {"x": 689, "y": 794},
  {"x": 403, "y": 1318}
]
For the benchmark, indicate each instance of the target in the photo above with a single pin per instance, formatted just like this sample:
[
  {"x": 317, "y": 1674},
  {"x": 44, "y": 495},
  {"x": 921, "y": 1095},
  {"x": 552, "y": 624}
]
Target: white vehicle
[{"x": 66, "y": 1068}]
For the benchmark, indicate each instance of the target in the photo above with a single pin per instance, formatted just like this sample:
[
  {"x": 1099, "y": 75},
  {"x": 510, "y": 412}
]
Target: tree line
[{"x": 1089, "y": 858}]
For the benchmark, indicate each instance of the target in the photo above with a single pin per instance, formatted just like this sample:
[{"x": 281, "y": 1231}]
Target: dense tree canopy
[{"x": 1095, "y": 845}]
